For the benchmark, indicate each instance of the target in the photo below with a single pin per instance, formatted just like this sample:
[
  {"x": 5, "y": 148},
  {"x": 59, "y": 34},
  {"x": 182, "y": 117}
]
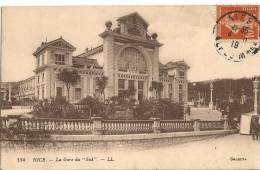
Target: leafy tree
[
  {"x": 162, "y": 108},
  {"x": 126, "y": 94},
  {"x": 101, "y": 84},
  {"x": 92, "y": 106},
  {"x": 55, "y": 108},
  {"x": 69, "y": 78},
  {"x": 15, "y": 89}
]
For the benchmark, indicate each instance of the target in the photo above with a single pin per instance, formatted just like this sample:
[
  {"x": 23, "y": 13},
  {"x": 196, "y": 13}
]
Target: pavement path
[
  {"x": 204, "y": 114},
  {"x": 227, "y": 152},
  {"x": 16, "y": 111}
]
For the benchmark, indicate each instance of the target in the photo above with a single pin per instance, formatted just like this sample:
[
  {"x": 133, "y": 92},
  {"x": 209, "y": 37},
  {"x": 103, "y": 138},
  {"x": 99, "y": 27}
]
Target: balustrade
[
  {"x": 176, "y": 125},
  {"x": 4, "y": 122},
  {"x": 211, "y": 125},
  {"x": 127, "y": 126},
  {"x": 99, "y": 126},
  {"x": 56, "y": 125}
]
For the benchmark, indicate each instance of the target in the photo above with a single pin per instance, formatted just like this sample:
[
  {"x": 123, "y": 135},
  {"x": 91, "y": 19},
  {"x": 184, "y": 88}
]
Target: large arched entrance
[{"x": 133, "y": 70}]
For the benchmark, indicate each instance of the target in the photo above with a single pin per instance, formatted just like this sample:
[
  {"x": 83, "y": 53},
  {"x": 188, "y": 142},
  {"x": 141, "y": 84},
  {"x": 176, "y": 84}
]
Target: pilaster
[
  {"x": 156, "y": 64},
  {"x": 108, "y": 53},
  {"x": 136, "y": 89},
  {"x": 91, "y": 83}
]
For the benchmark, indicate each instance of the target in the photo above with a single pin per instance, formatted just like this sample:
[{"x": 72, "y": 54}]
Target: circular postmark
[{"x": 237, "y": 35}]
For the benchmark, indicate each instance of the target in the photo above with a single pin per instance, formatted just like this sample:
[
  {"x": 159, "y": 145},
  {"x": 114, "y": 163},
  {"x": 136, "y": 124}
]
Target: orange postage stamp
[
  {"x": 237, "y": 32},
  {"x": 237, "y": 22}
]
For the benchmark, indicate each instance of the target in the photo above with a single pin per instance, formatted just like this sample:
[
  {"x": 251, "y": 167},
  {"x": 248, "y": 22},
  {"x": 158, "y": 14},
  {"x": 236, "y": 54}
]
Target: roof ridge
[
  {"x": 90, "y": 51},
  {"x": 45, "y": 44},
  {"x": 133, "y": 13}
]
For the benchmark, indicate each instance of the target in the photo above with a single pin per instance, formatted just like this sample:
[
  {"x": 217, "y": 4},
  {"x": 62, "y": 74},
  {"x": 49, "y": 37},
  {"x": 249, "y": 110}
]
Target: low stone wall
[
  {"x": 131, "y": 137},
  {"x": 81, "y": 143},
  {"x": 137, "y": 141}
]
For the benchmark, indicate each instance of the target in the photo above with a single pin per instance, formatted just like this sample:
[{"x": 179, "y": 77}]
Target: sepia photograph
[{"x": 130, "y": 87}]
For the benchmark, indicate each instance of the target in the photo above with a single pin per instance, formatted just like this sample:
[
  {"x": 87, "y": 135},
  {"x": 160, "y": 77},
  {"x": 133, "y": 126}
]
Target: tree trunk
[
  {"x": 90, "y": 114},
  {"x": 104, "y": 96},
  {"x": 68, "y": 95}
]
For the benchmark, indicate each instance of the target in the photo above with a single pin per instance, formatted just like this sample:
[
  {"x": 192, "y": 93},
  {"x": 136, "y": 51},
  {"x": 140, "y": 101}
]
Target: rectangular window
[
  {"x": 42, "y": 77},
  {"x": 180, "y": 93},
  {"x": 58, "y": 92},
  {"x": 42, "y": 92},
  {"x": 140, "y": 96},
  {"x": 121, "y": 84},
  {"x": 59, "y": 59},
  {"x": 181, "y": 74},
  {"x": 180, "y": 87},
  {"x": 38, "y": 61},
  {"x": 43, "y": 59},
  {"x": 77, "y": 93},
  {"x": 170, "y": 87},
  {"x": 170, "y": 96},
  {"x": 131, "y": 84},
  {"x": 140, "y": 85}
]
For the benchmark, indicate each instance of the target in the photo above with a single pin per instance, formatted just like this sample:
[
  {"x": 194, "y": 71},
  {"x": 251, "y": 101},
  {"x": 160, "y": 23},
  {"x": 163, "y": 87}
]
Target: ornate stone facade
[{"x": 128, "y": 56}]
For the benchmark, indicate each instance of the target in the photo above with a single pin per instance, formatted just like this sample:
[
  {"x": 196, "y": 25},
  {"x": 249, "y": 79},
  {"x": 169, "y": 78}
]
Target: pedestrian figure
[
  {"x": 255, "y": 128},
  {"x": 258, "y": 122},
  {"x": 188, "y": 110}
]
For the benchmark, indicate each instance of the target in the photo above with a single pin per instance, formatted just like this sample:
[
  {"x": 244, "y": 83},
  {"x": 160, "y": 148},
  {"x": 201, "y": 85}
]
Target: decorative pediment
[
  {"x": 134, "y": 24},
  {"x": 58, "y": 43},
  {"x": 134, "y": 18},
  {"x": 62, "y": 44}
]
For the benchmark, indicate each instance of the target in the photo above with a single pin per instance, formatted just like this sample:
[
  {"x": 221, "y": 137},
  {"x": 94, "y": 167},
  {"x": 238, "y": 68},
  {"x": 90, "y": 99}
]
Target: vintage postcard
[{"x": 130, "y": 87}]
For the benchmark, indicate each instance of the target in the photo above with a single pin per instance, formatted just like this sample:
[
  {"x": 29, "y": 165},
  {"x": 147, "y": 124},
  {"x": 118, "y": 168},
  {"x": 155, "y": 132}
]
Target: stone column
[
  {"x": 199, "y": 98},
  {"x": 211, "y": 106},
  {"x": 155, "y": 63},
  {"x": 91, "y": 86},
  {"x": 126, "y": 84},
  {"x": 4, "y": 96},
  {"x": 145, "y": 90},
  {"x": 96, "y": 125},
  {"x": 87, "y": 86},
  {"x": 196, "y": 125},
  {"x": 256, "y": 87},
  {"x": 136, "y": 90},
  {"x": 108, "y": 55},
  {"x": 82, "y": 86},
  {"x": 9, "y": 94},
  {"x": 225, "y": 124},
  {"x": 85, "y": 89},
  {"x": 156, "y": 125}
]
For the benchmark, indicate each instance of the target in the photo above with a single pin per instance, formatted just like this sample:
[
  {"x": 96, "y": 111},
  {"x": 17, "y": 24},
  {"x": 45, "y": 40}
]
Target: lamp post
[
  {"x": 197, "y": 92},
  {"x": 9, "y": 93},
  {"x": 211, "y": 106},
  {"x": 256, "y": 87}
]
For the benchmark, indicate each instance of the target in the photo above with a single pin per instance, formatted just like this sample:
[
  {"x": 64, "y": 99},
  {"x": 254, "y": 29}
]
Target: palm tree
[
  {"x": 101, "y": 84},
  {"x": 69, "y": 78}
]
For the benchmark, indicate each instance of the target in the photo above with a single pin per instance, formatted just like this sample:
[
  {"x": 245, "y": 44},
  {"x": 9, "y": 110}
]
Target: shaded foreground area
[{"x": 218, "y": 152}]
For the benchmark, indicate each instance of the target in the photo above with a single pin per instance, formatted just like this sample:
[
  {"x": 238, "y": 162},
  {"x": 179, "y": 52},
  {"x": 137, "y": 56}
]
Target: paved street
[
  {"x": 233, "y": 151},
  {"x": 17, "y": 111},
  {"x": 226, "y": 152},
  {"x": 229, "y": 152},
  {"x": 204, "y": 114}
]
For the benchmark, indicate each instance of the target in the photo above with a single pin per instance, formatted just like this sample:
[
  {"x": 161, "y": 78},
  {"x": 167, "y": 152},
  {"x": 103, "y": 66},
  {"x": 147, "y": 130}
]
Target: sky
[{"x": 185, "y": 31}]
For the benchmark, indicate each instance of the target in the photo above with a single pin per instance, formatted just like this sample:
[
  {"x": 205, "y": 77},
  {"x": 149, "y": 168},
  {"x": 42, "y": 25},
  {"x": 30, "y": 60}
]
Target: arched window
[{"x": 132, "y": 60}]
